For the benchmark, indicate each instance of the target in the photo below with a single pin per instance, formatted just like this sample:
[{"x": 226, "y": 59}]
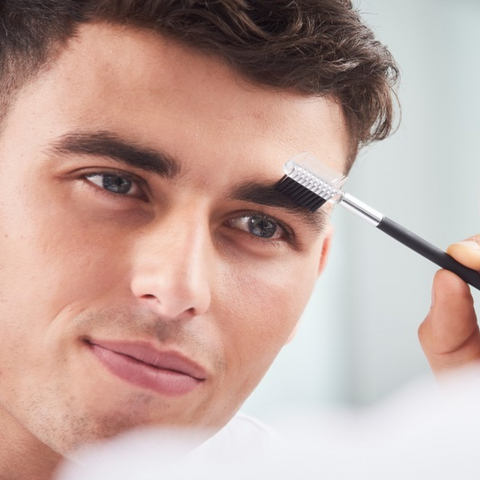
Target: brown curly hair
[{"x": 316, "y": 47}]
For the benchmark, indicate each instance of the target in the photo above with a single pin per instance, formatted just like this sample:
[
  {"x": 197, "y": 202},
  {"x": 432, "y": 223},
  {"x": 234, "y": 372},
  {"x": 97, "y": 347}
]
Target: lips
[{"x": 165, "y": 372}]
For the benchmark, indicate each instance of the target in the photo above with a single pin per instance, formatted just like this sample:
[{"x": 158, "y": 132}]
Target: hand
[{"x": 449, "y": 335}]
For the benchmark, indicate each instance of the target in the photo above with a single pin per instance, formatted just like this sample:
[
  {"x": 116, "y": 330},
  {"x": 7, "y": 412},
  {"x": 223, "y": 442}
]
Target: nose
[{"x": 172, "y": 266}]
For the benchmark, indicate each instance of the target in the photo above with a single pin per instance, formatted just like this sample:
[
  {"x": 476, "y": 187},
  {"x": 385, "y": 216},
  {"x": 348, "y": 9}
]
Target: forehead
[{"x": 142, "y": 86}]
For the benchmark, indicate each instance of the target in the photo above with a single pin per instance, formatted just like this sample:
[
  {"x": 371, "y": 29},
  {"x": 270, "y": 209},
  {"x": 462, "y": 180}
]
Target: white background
[{"x": 358, "y": 338}]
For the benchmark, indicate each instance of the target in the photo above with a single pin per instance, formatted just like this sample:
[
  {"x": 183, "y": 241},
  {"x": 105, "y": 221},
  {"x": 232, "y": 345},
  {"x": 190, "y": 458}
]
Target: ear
[{"x": 327, "y": 242}]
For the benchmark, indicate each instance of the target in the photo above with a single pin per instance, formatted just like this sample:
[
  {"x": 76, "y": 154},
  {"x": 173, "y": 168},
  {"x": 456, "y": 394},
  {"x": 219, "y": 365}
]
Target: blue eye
[
  {"x": 115, "y": 183},
  {"x": 259, "y": 225}
]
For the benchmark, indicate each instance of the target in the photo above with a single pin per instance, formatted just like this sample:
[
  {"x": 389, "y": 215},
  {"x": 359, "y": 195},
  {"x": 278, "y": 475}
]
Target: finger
[
  {"x": 467, "y": 252},
  {"x": 449, "y": 334}
]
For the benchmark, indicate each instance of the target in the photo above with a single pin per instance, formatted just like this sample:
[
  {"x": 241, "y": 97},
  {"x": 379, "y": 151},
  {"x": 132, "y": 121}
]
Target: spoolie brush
[{"x": 311, "y": 184}]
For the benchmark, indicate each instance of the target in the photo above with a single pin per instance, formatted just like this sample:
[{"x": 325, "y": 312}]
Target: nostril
[
  {"x": 175, "y": 289},
  {"x": 149, "y": 297}
]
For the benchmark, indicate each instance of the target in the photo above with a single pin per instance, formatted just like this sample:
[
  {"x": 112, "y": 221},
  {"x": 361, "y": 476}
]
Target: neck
[{"x": 22, "y": 455}]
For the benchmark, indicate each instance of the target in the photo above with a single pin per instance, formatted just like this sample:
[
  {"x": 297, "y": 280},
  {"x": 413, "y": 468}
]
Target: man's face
[{"x": 149, "y": 274}]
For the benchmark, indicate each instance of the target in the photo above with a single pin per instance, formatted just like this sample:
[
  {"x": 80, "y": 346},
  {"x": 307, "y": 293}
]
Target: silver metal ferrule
[{"x": 361, "y": 209}]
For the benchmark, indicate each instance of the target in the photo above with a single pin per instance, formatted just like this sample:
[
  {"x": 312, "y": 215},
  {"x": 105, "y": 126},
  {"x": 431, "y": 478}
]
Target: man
[{"x": 149, "y": 272}]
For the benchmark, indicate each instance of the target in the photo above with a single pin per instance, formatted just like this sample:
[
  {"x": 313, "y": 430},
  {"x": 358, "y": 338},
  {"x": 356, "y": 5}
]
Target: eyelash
[
  {"x": 139, "y": 182},
  {"x": 288, "y": 234},
  {"x": 142, "y": 185}
]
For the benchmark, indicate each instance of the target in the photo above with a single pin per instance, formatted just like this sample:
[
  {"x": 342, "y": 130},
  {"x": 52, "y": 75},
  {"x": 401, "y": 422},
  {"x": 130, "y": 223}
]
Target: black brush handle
[{"x": 427, "y": 250}]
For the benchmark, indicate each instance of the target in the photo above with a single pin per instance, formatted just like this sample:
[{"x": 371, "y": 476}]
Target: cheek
[
  {"x": 51, "y": 258},
  {"x": 263, "y": 304}
]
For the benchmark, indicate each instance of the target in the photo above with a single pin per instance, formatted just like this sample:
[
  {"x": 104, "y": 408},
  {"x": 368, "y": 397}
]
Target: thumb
[
  {"x": 449, "y": 334},
  {"x": 467, "y": 252}
]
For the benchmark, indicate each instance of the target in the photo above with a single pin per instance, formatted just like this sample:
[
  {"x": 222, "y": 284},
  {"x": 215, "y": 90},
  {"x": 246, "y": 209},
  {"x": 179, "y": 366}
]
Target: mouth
[{"x": 167, "y": 373}]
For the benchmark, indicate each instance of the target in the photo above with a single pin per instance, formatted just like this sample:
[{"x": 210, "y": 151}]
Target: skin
[
  {"x": 450, "y": 335},
  {"x": 170, "y": 263}
]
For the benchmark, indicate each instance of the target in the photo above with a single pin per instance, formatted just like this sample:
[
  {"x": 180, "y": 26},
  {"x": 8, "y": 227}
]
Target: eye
[
  {"x": 116, "y": 183},
  {"x": 259, "y": 225}
]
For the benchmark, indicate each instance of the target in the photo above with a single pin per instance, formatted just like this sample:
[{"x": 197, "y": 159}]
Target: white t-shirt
[
  {"x": 244, "y": 438},
  {"x": 241, "y": 445}
]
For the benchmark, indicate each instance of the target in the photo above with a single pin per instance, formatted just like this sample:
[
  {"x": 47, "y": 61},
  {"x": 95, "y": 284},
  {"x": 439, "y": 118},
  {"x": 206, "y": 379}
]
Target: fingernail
[{"x": 470, "y": 244}]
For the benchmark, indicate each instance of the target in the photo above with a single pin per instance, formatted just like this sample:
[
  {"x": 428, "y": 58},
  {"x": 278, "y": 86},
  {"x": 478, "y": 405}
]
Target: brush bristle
[
  {"x": 309, "y": 183},
  {"x": 301, "y": 195}
]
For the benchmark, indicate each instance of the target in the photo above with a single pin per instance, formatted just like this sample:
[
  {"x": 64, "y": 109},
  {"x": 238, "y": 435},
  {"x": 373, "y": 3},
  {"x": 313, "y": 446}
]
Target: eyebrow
[
  {"x": 106, "y": 144},
  {"x": 266, "y": 194}
]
